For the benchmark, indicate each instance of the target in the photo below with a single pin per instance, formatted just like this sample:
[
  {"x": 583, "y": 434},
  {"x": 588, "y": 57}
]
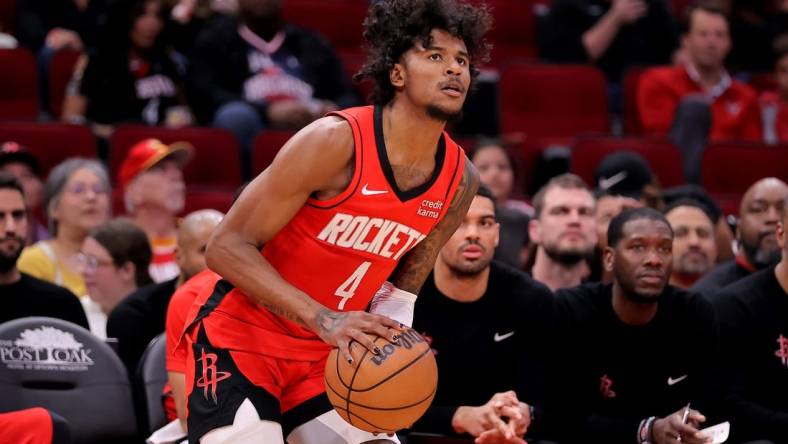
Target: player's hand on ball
[
  {"x": 668, "y": 429},
  {"x": 342, "y": 328}
]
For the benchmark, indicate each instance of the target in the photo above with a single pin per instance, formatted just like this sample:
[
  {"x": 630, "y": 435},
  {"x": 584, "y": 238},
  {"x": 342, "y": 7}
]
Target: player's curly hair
[{"x": 393, "y": 26}]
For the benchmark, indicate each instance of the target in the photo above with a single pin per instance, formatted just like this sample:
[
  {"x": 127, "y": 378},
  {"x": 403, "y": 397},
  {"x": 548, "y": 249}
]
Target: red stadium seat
[
  {"x": 19, "y": 94},
  {"x": 51, "y": 143},
  {"x": 729, "y": 168},
  {"x": 61, "y": 69},
  {"x": 340, "y": 21},
  {"x": 200, "y": 198},
  {"x": 631, "y": 116},
  {"x": 553, "y": 100},
  {"x": 7, "y": 15},
  {"x": 661, "y": 155},
  {"x": 216, "y": 161},
  {"x": 514, "y": 29},
  {"x": 266, "y": 145}
]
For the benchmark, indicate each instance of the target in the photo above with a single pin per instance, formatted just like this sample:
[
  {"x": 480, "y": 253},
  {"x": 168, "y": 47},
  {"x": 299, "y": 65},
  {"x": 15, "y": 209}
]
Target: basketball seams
[
  {"x": 400, "y": 370},
  {"x": 429, "y": 397},
  {"x": 352, "y": 379}
]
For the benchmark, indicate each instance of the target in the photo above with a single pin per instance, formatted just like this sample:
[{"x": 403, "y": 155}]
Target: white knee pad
[
  {"x": 247, "y": 428},
  {"x": 330, "y": 428}
]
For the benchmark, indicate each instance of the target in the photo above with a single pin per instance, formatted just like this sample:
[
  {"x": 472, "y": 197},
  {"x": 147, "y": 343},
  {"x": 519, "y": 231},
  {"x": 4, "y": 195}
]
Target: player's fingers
[
  {"x": 364, "y": 340},
  {"x": 387, "y": 321},
  {"x": 383, "y": 331},
  {"x": 499, "y": 424},
  {"x": 696, "y": 417},
  {"x": 510, "y": 412},
  {"x": 344, "y": 350}
]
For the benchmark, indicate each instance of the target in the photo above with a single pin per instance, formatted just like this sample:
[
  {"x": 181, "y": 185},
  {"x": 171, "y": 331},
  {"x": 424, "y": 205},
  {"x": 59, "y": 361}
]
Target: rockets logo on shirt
[
  {"x": 782, "y": 350},
  {"x": 374, "y": 235}
]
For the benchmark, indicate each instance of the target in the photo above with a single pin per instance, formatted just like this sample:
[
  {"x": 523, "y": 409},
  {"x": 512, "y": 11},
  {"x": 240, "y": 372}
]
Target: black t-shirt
[
  {"x": 753, "y": 316},
  {"x": 142, "y": 92},
  {"x": 494, "y": 344},
  {"x": 649, "y": 41},
  {"x": 613, "y": 375},
  {"x": 33, "y": 297},
  {"x": 224, "y": 68},
  {"x": 138, "y": 319},
  {"x": 721, "y": 276}
]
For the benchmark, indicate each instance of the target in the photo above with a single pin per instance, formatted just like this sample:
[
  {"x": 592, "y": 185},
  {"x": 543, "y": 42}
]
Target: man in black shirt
[
  {"x": 636, "y": 351},
  {"x": 753, "y": 314},
  {"x": 24, "y": 295},
  {"x": 141, "y": 316},
  {"x": 488, "y": 325},
  {"x": 755, "y": 234}
]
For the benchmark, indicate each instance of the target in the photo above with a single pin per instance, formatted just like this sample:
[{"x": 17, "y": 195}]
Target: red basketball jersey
[{"x": 340, "y": 251}]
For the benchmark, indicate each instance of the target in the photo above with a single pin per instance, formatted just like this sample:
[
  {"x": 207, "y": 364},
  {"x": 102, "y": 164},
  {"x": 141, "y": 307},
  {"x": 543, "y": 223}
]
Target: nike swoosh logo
[
  {"x": 672, "y": 381},
  {"x": 367, "y": 192},
  {"x": 605, "y": 184},
  {"x": 499, "y": 337}
]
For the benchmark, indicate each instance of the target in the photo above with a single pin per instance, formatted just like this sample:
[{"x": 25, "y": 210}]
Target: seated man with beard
[
  {"x": 756, "y": 236},
  {"x": 564, "y": 230},
  {"x": 694, "y": 249},
  {"x": 634, "y": 353}
]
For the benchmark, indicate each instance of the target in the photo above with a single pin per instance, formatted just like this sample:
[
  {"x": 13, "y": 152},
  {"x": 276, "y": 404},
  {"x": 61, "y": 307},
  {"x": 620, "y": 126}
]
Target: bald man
[
  {"x": 141, "y": 317},
  {"x": 756, "y": 235}
]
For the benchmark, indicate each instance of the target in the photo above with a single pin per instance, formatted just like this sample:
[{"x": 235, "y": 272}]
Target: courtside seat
[
  {"x": 51, "y": 143},
  {"x": 266, "y": 145},
  {"x": 62, "y": 367},
  {"x": 661, "y": 155},
  {"x": 550, "y": 101},
  {"x": 19, "y": 94}
]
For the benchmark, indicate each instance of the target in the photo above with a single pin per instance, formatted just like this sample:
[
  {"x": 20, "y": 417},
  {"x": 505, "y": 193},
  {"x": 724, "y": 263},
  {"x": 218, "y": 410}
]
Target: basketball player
[{"x": 350, "y": 215}]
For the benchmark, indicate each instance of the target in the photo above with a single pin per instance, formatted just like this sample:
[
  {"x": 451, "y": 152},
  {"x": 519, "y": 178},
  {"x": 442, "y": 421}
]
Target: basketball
[{"x": 386, "y": 392}]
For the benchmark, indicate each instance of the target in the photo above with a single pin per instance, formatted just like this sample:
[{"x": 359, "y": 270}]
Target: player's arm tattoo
[
  {"x": 416, "y": 265},
  {"x": 328, "y": 320}
]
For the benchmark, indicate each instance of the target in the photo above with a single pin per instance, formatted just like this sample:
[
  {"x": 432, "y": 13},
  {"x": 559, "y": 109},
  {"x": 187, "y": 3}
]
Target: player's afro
[{"x": 393, "y": 26}]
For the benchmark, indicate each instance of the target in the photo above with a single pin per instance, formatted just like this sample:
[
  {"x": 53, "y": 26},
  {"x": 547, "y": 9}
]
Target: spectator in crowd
[
  {"x": 564, "y": 231},
  {"x": 115, "y": 259},
  {"x": 723, "y": 234},
  {"x": 753, "y": 314},
  {"x": 698, "y": 100},
  {"x": 132, "y": 76},
  {"x": 48, "y": 26},
  {"x": 774, "y": 104},
  {"x": 497, "y": 170},
  {"x": 76, "y": 200},
  {"x": 151, "y": 177},
  {"x": 694, "y": 250},
  {"x": 17, "y": 160},
  {"x": 474, "y": 306},
  {"x": 615, "y": 35},
  {"x": 627, "y": 173},
  {"x": 24, "y": 295},
  {"x": 189, "y": 17},
  {"x": 608, "y": 206},
  {"x": 257, "y": 71},
  {"x": 606, "y": 392},
  {"x": 141, "y": 316},
  {"x": 756, "y": 235},
  {"x": 35, "y": 425}
]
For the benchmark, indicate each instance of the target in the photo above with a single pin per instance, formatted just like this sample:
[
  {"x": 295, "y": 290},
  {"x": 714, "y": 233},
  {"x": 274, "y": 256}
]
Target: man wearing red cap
[{"x": 151, "y": 178}]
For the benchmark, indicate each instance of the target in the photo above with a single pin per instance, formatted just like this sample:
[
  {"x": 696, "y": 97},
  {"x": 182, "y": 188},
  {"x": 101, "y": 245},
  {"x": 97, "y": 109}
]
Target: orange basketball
[{"x": 386, "y": 392}]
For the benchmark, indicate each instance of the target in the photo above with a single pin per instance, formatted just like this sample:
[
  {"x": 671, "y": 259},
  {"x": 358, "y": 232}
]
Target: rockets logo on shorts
[{"x": 374, "y": 235}]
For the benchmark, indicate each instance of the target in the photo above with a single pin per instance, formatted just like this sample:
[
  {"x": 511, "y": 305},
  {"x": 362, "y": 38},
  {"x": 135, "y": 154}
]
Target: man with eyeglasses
[{"x": 24, "y": 295}]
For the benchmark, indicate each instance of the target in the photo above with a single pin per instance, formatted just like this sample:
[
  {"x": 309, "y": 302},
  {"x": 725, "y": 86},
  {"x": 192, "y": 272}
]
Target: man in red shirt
[
  {"x": 774, "y": 104},
  {"x": 698, "y": 100}
]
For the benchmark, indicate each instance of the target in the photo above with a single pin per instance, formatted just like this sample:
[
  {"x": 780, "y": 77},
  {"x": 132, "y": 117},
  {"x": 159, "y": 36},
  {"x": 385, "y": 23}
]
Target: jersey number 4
[{"x": 348, "y": 288}]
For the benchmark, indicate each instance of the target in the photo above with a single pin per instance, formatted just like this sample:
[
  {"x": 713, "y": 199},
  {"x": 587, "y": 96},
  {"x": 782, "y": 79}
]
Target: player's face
[
  {"x": 436, "y": 76},
  {"x": 471, "y": 248},
  {"x": 495, "y": 170},
  {"x": 641, "y": 261},
  {"x": 608, "y": 207},
  {"x": 760, "y": 212},
  {"x": 566, "y": 229},
  {"x": 13, "y": 227},
  {"x": 694, "y": 249}
]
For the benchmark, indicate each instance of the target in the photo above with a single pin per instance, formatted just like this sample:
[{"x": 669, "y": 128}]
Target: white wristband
[{"x": 394, "y": 303}]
